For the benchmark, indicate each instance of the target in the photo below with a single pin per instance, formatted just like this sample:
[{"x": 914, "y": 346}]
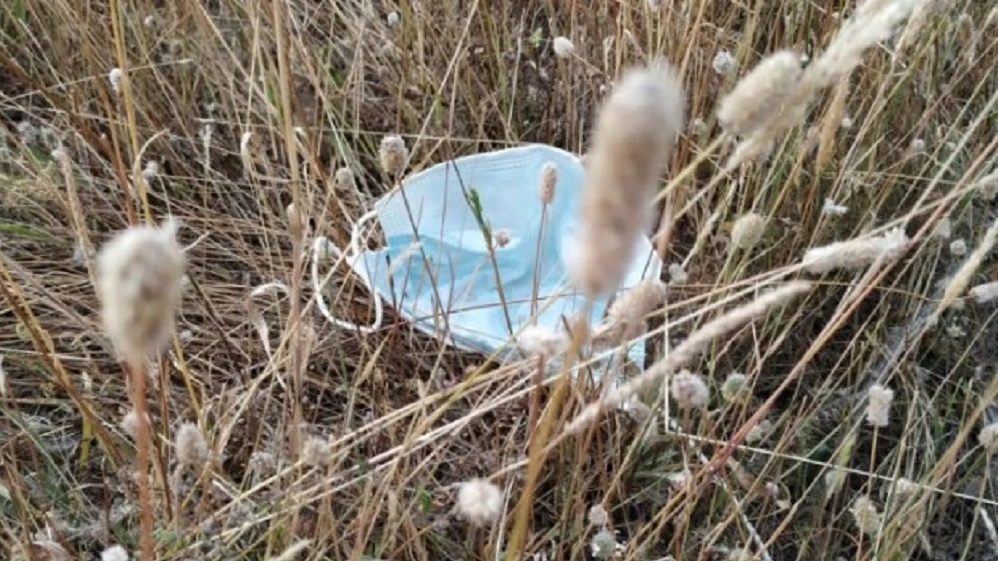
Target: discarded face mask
[{"x": 436, "y": 268}]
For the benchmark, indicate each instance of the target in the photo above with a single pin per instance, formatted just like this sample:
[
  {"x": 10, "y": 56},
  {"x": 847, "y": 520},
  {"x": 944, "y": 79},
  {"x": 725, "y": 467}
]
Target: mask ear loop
[{"x": 321, "y": 246}]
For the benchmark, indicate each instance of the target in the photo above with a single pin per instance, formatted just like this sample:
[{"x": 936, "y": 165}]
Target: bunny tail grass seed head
[
  {"x": 988, "y": 437},
  {"x": 598, "y": 516},
  {"x": 393, "y": 155},
  {"x": 878, "y": 406},
  {"x": 344, "y": 180},
  {"x": 563, "y": 47},
  {"x": 541, "y": 341},
  {"x": 151, "y": 170},
  {"x": 604, "y": 545},
  {"x": 114, "y": 77},
  {"x": 856, "y": 253},
  {"x": 114, "y": 553},
  {"x": 689, "y": 390},
  {"x": 130, "y": 423},
  {"x": 963, "y": 277},
  {"x": 626, "y": 316},
  {"x": 633, "y": 139},
  {"x": 479, "y": 502},
  {"x": 958, "y": 247},
  {"x": 192, "y": 450},
  {"x": 734, "y": 387},
  {"x": 140, "y": 274},
  {"x": 760, "y": 94},
  {"x": 549, "y": 181},
  {"x": 831, "y": 208},
  {"x": 987, "y": 186},
  {"x": 984, "y": 293},
  {"x": 316, "y": 452},
  {"x": 723, "y": 63},
  {"x": 866, "y": 516},
  {"x": 747, "y": 231},
  {"x": 684, "y": 352}
]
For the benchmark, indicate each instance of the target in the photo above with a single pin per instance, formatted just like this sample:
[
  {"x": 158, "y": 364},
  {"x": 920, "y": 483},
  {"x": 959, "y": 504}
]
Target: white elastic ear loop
[{"x": 322, "y": 245}]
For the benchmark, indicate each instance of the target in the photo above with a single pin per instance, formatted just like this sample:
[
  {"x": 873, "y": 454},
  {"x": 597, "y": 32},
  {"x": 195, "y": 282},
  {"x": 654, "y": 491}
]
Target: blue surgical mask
[{"x": 435, "y": 268}]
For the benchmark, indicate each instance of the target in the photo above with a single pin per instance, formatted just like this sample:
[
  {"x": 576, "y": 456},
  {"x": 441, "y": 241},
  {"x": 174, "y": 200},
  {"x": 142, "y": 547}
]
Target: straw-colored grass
[{"x": 258, "y": 125}]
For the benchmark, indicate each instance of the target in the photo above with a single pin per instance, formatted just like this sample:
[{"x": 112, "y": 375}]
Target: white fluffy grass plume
[
  {"x": 857, "y": 253},
  {"x": 984, "y": 293},
  {"x": 878, "y": 406},
  {"x": 140, "y": 274},
  {"x": 747, "y": 231},
  {"x": 635, "y": 133},
  {"x": 192, "y": 450},
  {"x": 114, "y": 553},
  {"x": 479, "y": 501},
  {"x": 626, "y": 318},
  {"x": 760, "y": 94}
]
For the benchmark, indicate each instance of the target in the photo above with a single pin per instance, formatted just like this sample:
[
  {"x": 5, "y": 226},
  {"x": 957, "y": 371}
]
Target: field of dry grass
[{"x": 322, "y": 442}]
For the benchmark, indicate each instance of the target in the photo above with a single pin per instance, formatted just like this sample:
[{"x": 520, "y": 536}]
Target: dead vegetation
[{"x": 222, "y": 114}]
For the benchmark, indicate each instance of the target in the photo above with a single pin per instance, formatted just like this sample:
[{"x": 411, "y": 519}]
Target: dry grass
[{"x": 406, "y": 418}]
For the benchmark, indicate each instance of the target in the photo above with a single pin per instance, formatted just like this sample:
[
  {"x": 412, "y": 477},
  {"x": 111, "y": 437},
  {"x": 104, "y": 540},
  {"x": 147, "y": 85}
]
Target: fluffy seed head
[
  {"x": 679, "y": 479},
  {"x": 857, "y": 253},
  {"x": 747, "y": 231},
  {"x": 984, "y": 293},
  {"x": 598, "y": 515},
  {"x": 114, "y": 77},
  {"x": 834, "y": 480},
  {"x": 635, "y": 133},
  {"x": 958, "y": 248},
  {"x": 689, "y": 390},
  {"x": 987, "y": 186},
  {"x": 192, "y": 450},
  {"x": 944, "y": 228},
  {"x": 878, "y": 407},
  {"x": 549, "y": 180},
  {"x": 759, "y": 432},
  {"x": 988, "y": 438},
  {"x": 344, "y": 180},
  {"x": 151, "y": 169},
  {"x": 139, "y": 285},
  {"x": 677, "y": 274},
  {"x": 563, "y": 47},
  {"x": 830, "y": 208},
  {"x": 760, "y": 94},
  {"x": 628, "y": 312},
  {"x": 393, "y": 155},
  {"x": 130, "y": 423},
  {"x": 316, "y": 452},
  {"x": 733, "y": 387},
  {"x": 603, "y": 544},
  {"x": 541, "y": 341},
  {"x": 723, "y": 63},
  {"x": 866, "y": 516},
  {"x": 114, "y": 553},
  {"x": 479, "y": 501},
  {"x": 904, "y": 486},
  {"x": 392, "y": 19}
]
